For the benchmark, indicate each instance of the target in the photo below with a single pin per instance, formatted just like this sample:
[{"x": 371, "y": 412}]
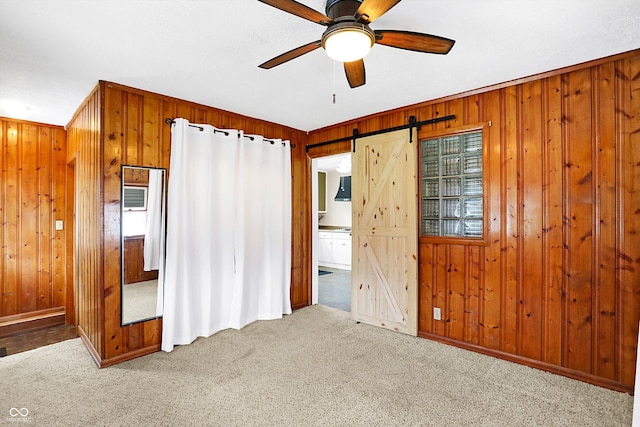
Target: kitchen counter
[{"x": 335, "y": 228}]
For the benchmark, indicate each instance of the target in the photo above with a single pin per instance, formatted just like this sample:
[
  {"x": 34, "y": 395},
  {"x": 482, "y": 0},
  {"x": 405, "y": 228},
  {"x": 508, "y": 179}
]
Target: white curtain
[
  {"x": 228, "y": 251},
  {"x": 153, "y": 229},
  {"x": 263, "y": 226}
]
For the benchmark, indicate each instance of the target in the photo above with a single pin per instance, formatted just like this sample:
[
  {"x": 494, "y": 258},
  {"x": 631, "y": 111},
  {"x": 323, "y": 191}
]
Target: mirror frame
[{"x": 122, "y": 237}]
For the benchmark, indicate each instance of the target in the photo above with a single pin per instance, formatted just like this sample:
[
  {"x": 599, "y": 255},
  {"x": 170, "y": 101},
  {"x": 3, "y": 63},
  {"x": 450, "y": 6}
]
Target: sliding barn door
[{"x": 384, "y": 228}]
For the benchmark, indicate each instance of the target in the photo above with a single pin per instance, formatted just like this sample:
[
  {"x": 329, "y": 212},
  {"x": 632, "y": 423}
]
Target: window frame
[
  {"x": 144, "y": 188},
  {"x": 455, "y": 240}
]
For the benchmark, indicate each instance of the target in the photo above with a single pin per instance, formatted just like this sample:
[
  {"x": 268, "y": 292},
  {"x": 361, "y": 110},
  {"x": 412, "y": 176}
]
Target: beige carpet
[
  {"x": 312, "y": 368},
  {"x": 139, "y": 301}
]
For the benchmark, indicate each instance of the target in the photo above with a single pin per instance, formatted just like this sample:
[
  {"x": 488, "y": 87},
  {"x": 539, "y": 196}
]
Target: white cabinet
[
  {"x": 324, "y": 253},
  {"x": 335, "y": 249},
  {"x": 341, "y": 254}
]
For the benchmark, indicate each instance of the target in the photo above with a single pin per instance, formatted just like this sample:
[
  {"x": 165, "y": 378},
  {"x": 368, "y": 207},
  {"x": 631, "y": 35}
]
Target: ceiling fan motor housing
[
  {"x": 339, "y": 8},
  {"x": 342, "y": 24}
]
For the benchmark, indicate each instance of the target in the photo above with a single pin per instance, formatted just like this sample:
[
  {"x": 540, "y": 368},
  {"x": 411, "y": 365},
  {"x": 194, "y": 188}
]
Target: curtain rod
[
  {"x": 171, "y": 121},
  {"x": 412, "y": 123},
  {"x": 251, "y": 138}
]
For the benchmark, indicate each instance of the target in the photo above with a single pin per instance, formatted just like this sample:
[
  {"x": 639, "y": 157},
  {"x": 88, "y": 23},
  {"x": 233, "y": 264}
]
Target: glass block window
[{"x": 451, "y": 174}]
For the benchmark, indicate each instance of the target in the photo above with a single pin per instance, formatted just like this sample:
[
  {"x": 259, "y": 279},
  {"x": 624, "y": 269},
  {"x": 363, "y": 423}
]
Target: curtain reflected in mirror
[{"x": 143, "y": 236}]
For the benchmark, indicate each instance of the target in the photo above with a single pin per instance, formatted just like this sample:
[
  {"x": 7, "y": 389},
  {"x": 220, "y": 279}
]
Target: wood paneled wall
[
  {"x": 134, "y": 271},
  {"x": 84, "y": 154},
  {"x": 33, "y": 266},
  {"x": 129, "y": 124},
  {"x": 558, "y": 284}
]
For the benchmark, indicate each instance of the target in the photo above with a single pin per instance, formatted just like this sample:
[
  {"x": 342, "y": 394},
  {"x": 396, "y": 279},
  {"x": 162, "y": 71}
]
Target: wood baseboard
[
  {"x": 299, "y": 306},
  {"x": 89, "y": 345},
  {"x": 537, "y": 364},
  {"x": 130, "y": 355},
  {"x": 32, "y": 321},
  {"x": 103, "y": 363}
]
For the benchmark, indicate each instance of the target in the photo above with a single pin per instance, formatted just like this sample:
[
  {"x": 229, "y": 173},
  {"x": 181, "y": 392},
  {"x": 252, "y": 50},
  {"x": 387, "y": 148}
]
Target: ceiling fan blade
[
  {"x": 292, "y": 54},
  {"x": 414, "y": 41},
  {"x": 300, "y": 10},
  {"x": 370, "y": 10},
  {"x": 355, "y": 73}
]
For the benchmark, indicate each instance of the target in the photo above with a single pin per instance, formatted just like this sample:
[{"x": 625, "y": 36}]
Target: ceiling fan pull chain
[{"x": 334, "y": 81}]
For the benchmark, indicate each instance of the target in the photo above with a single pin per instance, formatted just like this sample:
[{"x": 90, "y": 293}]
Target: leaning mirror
[{"x": 143, "y": 234}]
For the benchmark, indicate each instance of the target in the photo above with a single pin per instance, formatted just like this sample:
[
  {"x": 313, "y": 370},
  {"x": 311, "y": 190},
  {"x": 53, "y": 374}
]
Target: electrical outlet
[
  {"x": 58, "y": 225},
  {"x": 436, "y": 313}
]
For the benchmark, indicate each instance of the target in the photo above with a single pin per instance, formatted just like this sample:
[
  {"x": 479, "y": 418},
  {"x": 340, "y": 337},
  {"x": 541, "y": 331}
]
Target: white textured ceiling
[{"x": 53, "y": 52}]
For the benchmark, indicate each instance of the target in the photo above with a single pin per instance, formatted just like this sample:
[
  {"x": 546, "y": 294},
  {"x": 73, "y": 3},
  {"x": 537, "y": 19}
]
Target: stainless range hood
[{"x": 344, "y": 190}]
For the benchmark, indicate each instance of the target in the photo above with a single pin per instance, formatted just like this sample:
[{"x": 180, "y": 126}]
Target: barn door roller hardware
[{"x": 413, "y": 123}]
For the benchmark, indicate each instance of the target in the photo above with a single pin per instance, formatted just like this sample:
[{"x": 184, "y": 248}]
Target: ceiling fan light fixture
[
  {"x": 348, "y": 43},
  {"x": 344, "y": 166}
]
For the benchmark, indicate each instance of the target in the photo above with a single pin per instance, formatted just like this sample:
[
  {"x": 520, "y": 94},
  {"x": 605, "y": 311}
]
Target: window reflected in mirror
[{"x": 143, "y": 233}]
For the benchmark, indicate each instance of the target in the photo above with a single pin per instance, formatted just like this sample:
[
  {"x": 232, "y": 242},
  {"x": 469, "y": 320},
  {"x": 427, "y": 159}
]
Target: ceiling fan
[{"x": 348, "y": 37}]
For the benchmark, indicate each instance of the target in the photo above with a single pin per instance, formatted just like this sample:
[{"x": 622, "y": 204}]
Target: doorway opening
[
  {"x": 71, "y": 304},
  {"x": 331, "y": 236}
]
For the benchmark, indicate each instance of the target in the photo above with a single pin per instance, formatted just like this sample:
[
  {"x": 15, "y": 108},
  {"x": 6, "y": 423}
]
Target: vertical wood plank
[
  {"x": 58, "y": 211},
  {"x": 168, "y": 111},
  {"x": 456, "y": 293},
  {"x": 532, "y": 201},
  {"x": 44, "y": 228},
  {"x": 553, "y": 223},
  {"x": 455, "y": 107},
  {"x": 604, "y": 221},
  {"x": 72, "y": 300},
  {"x": 510, "y": 224},
  {"x": 133, "y": 337},
  {"x": 151, "y": 128},
  {"x": 425, "y": 288},
  {"x": 629, "y": 212},
  {"x": 116, "y": 126},
  {"x": 152, "y": 330},
  {"x": 472, "y": 109},
  {"x": 491, "y": 292},
  {"x": 301, "y": 252},
  {"x": 4, "y": 293},
  {"x": 441, "y": 288},
  {"x": 472, "y": 283},
  {"x": 132, "y": 113},
  {"x": 473, "y": 277},
  {"x": 185, "y": 111},
  {"x": 578, "y": 244}
]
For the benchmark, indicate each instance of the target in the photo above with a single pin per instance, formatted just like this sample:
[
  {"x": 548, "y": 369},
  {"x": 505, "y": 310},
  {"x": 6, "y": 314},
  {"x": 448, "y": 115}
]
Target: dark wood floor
[{"x": 30, "y": 340}]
